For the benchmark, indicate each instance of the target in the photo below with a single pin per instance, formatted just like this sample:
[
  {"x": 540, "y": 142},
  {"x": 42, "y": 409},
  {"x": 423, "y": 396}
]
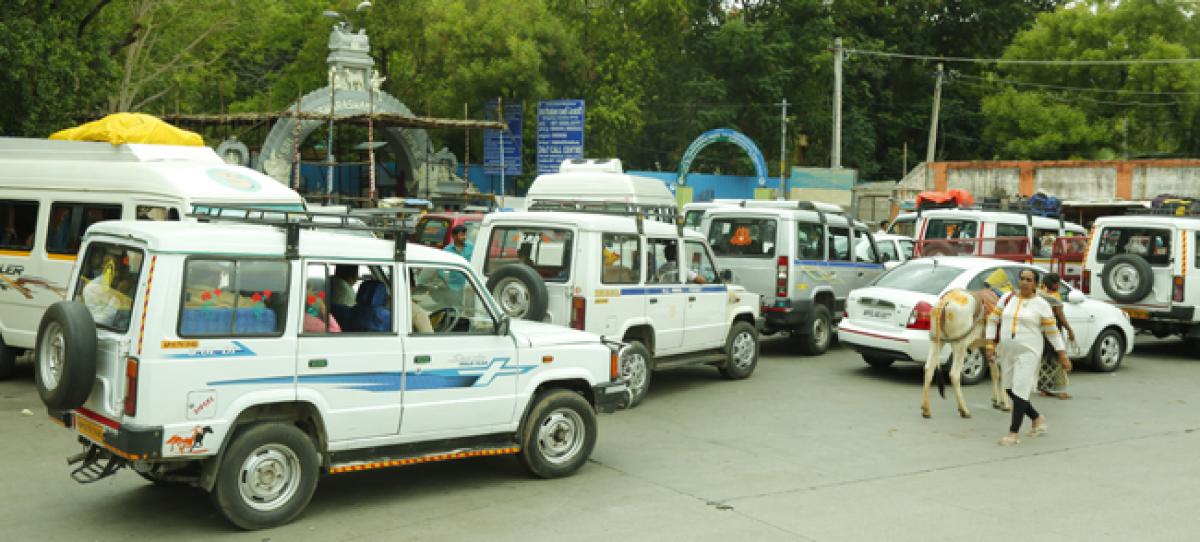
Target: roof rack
[
  {"x": 293, "y": 221},
  {"x": 645, "y": 213}
]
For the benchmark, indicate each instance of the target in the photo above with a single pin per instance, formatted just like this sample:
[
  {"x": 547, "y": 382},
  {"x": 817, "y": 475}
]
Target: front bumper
[
  {"x": 133, "y": 443},
  {"x": 611, "y": 396}
]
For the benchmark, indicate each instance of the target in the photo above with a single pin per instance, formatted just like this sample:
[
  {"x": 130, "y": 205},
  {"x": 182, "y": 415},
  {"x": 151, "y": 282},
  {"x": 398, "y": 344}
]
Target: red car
[{"x": 433, "y": 229}]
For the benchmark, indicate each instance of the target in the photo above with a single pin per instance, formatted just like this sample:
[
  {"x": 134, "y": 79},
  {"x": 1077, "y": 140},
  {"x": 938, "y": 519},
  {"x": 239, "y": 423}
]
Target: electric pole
[
  {"x": 836, "y": 151},
  {"x": 783, "y": 188},
  {"x": 930, "y": 150}
]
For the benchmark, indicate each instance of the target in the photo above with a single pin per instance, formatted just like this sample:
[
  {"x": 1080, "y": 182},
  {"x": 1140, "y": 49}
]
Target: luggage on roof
[
  {"x": 121, "y": 128},
  {"x": 949, "y": 199}
]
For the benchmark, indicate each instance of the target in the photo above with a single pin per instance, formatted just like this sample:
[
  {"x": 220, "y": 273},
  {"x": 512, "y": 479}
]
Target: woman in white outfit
[{"x": 1024, "y": 319}]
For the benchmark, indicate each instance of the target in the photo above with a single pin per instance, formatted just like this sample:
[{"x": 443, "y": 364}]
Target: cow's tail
[{"x": 939, "y": 374}]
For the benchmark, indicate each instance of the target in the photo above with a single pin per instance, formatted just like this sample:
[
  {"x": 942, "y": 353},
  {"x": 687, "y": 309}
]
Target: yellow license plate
[
  {"x": 1137, "y": 314},
  {"x": 89, "y": 428}
]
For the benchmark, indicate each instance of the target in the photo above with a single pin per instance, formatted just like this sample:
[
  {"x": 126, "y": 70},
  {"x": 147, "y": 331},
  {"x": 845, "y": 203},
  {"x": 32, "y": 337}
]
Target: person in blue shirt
[{"x": 460, "y": 246}]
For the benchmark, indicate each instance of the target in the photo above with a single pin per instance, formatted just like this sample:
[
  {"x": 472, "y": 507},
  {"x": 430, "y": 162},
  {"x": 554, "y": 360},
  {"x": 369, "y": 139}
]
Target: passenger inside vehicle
[
  {"x": 668, "y": 272},
  {"x": 372, "y": 310}
]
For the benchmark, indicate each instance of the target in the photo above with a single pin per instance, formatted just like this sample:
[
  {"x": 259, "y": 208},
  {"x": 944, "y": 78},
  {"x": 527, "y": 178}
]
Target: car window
[
  {"x": 907, "y": 247},
  {"x": 69, "y": 221},
  {"x": 433, "y": 232},
  {"x": 620, "y": 259},
  {"x": 699, "y": 263},
  {"x": 19, "y": 219},
  {"x": 108, "y": 280},
  {"x": 839, "y": 244},
  {"x": 1043, "y": 242},
  {"x": 744, "y": 237},
  {"x": 903, "y": 226},
  {"x": 445, "y": 300},
  {"x": 946, "y": 228},
  {"x": 887, "y": 249},
  {"x": 661, "y": 261},
  {"x": 233, "y": 297},
  {"x": 1153, "y": 244},
  {"x": 1011, "y": 230},
  {"x": 546, "y": 250},
  {"x": 926, "y": 279},
  {"x": 864, "y": 249},
  {"x": 810, "y": 241},
  {"x": 347, "y": 299},
  {"x": 693, "y": 218}
]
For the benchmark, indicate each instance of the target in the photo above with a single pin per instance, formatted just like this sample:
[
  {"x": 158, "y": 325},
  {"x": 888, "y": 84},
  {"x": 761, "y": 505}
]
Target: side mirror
[
  {"x": 503, "y": 327},
  {"x": 1076, "y": 297},
  {"x": 726, "y": 276}
]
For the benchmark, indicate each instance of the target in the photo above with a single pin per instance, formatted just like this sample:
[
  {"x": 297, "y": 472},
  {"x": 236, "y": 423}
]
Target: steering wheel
[{"x": 444, "y": 319}]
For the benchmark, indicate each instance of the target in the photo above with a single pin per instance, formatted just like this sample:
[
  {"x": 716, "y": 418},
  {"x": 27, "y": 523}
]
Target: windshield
[
  {"x": 742, "y": 237},
  {"x": 108, "y": 279},
  {"x": 923, "y": 278}
]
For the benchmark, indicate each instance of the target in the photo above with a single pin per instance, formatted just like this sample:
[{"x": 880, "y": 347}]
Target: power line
[
  {"x": 1077, "y": 99},
  {"x": 959, "y": 75},
  {"x": 932, "y": 58}
]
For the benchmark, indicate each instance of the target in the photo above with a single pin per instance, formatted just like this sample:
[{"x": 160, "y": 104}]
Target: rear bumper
[
  {"x": 130, "y": 442},
  {"x": 611, "y": 396},
  {"x": 796, "y": 317},
  {"x": 900, "y": 345}
]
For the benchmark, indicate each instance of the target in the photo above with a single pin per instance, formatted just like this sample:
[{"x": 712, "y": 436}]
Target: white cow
[{"x": 959, "y": 319}]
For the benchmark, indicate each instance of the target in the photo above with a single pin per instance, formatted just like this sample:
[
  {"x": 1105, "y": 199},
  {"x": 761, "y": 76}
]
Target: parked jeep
[{"x": 236, "y": 358}]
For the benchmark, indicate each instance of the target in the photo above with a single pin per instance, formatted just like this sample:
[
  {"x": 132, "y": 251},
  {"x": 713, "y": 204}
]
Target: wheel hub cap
[
  {"x": 269, "y": 477},
  {"x": 633, "y": 370},
  {"x": 560, "y": 436},
  {"x": 54, "y": 356},
  {"x": 513, "y": 297},
  {"x": 1125, "y": 279},
  {"x": 743, "y": 350}
]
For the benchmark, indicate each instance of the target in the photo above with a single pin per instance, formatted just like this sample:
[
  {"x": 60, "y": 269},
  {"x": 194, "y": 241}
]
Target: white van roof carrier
[
  {"x": 600, "y": 165},
  {"x": 27, "y": 148},
  {"x": 827, "y": 208}
]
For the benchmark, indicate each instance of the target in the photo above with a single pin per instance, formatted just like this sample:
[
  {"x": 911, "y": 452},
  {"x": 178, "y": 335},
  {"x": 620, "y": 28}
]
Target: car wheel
[
  {"x": 637, "y": 368},
  {"x": 520, "y": 292},
  {"x": 268, "y": 475},
  {"x": 1108, "y": 351},
  {"x": 8, "y": 360},
  {"x": 974, "y": 369},
  {"x": 878, "y": 362},
  {"x": 741, "y": 350},
  {"x": 1127, "y": 278},
  {"x": 65, "y": 359},
  {"x": 559, "y": 434},
  {"x": 815, "y": 340}
]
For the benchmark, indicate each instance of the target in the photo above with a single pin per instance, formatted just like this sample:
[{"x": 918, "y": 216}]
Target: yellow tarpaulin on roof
[{"x": 121, "y": 128}]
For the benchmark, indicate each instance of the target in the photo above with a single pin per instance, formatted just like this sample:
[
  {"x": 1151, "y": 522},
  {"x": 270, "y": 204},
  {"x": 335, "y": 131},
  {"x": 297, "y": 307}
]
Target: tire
[
  {"x": 974, "y": 370},
  {"x": 275, "y": 454},
  {"x": 741, "y": 350},
  {"x": 520, "y": 292},
  {"x": 558, "y": 436},
  {"x": 815, "y": 340},
  {"x": 1108, "y": 351},
  {"x": 1127, "y": 278},
  {"x": 65, "y": 358},
  {"x": 637, "y": 368},
  {"x": 8, "y": 360},
  {"x": 877, "y": 362}
]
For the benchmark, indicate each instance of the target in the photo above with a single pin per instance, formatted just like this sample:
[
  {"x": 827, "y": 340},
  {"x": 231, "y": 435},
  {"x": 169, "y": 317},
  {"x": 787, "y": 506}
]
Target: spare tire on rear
[
  {"x": 1127, "y": 278},
  {"x": 520, "y": 292},
  {"x": 65, "y": 359}
]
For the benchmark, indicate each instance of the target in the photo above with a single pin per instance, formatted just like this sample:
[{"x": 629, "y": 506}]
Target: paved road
[{"x": 807, "y": 449}]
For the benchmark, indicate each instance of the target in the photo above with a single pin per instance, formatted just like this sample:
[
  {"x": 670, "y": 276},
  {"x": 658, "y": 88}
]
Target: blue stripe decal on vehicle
[
  {"x": 660, "y": 290},
  {"x": 436, "y": 379},
  {"x": 822, "y": 263}
]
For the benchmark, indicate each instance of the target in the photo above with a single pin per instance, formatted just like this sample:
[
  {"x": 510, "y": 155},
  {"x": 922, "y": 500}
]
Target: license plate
[
  {"x": 1137, "y": 314},
  {"x": 89, "y": 429},
  {"x": 881, "y": 314}
]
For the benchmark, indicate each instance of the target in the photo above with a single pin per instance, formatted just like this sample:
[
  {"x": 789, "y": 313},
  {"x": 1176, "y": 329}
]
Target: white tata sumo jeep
[
  {"x": 603, "y": 251},
  {"x": 247, "y": 359}
]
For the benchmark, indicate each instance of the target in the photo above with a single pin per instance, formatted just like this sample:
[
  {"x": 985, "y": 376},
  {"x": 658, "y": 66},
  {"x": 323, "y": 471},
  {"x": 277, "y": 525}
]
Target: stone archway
[
  {"x": 410, "y": 146},
  {"x": 723, "y": 135}
]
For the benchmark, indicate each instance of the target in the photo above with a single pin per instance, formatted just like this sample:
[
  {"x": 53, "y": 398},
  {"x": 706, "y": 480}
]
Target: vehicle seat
[{"x": 371, "y": 311}]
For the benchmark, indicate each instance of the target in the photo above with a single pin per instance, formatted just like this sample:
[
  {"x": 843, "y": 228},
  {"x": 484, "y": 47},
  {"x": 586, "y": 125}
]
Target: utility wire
[
  {"x": 1078, "y": 99},
  {"x": 959, "y": 75},
  {"x": 931, "y": 58}
]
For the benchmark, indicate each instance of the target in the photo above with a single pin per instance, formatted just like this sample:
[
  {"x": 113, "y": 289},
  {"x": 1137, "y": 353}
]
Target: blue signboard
[
  {"x": 559, "y": 133},
  {"x": 514, "y": 117}
]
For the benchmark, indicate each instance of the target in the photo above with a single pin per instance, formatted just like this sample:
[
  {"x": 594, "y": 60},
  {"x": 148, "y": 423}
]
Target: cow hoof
[
  {"x": 925, "y": 415},
  {"x": 964, "y": 414}
]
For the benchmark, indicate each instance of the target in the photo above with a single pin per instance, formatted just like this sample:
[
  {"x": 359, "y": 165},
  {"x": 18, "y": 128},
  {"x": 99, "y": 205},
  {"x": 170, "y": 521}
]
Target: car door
[
  {"x": 352, "y": 359},
  {"x": 841, "y": 266},
  {"x": 546, "y": 249},
  {"x": 620, "y": 280},
  {"x": 866, "y": 257},
  {"x": 707, "y": 299},
  {"x": 1082, "y": 320},
  {"x": 460, "y": 375},
  {"x": 665, "y": 299}
]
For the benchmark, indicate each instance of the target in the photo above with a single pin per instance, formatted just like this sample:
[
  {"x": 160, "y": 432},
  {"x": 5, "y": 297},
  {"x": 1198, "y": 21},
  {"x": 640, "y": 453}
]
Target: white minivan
[{"x": 51, "y": 191}]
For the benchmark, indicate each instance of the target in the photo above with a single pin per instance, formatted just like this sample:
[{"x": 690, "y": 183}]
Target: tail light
[
  {"x": 1085, "y": 284},
  {"x": 1177, "y": 291},
  {"x": 919, "y": 318},
  {"x": 578, "y": 312},
  {"x": 781, "y": 277},
  {"x": 131, "y": 386}
]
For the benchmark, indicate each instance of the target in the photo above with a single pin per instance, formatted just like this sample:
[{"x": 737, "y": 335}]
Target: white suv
[
  {"x": 248, "y": 359},
  {"x": 617, "y": 275},
  {"x": 1147, "y": 265}
]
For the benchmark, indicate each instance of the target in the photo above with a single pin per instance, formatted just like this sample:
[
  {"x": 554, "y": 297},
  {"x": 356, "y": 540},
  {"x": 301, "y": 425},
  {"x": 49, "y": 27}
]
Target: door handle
[
  {"x": 653, "y": 300},
  {"x": 319, "y": 363},
  {"x": 421, "y": 359}
]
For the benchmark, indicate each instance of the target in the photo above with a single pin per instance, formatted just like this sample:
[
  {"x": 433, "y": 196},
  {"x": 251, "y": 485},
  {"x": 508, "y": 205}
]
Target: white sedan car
[{"x": 889, "y": 320}]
